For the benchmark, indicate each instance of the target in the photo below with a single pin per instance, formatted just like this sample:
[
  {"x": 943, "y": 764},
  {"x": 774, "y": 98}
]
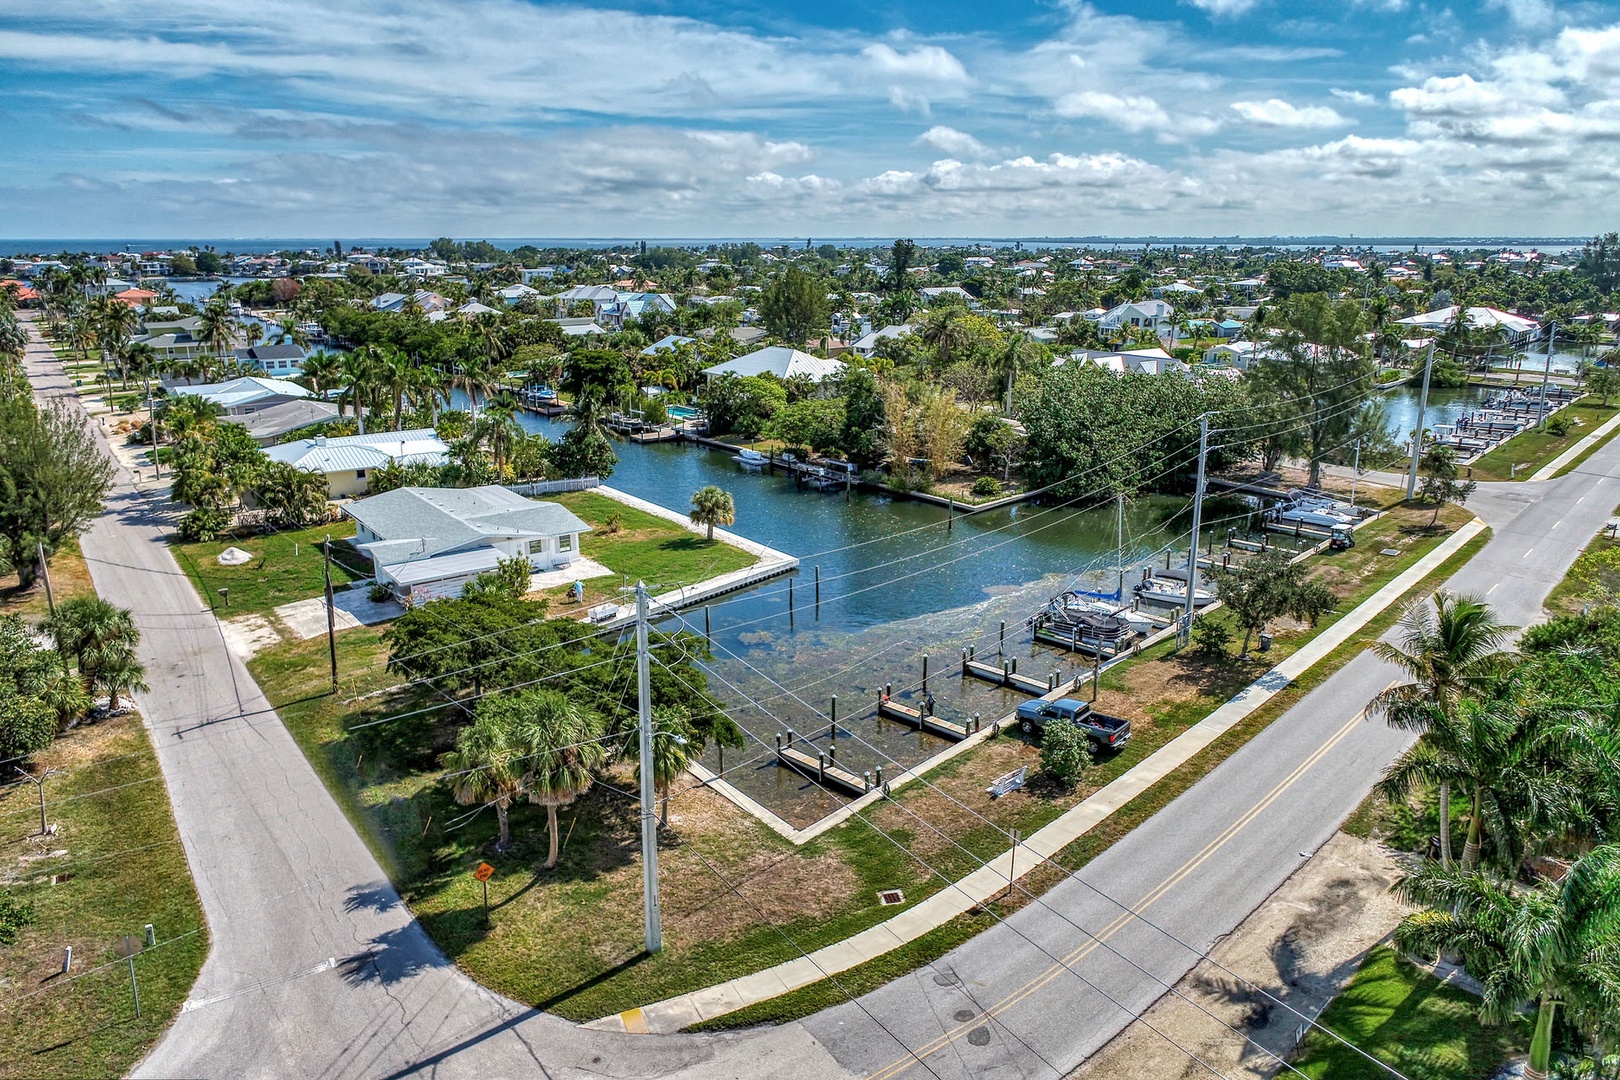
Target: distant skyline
[{"x": 640, "y": 118}]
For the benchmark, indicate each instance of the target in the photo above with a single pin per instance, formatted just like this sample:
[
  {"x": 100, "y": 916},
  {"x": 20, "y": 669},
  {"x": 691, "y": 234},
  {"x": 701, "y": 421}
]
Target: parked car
[{"x": 1104, "y": 732}]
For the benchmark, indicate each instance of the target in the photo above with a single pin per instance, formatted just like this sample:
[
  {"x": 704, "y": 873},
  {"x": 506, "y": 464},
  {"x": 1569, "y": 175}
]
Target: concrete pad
[
  {"x": 578, "y": 570},
  {"x": 247, "y": 635},
  {"x": 351, "y": 608}
]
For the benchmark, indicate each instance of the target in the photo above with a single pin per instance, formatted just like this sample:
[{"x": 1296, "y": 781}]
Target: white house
[
  {"x": 667, "y": 343},
  {"x": 348, "y": 460},
  {"x": 866, "y": 345},
  {"x": 778, "y": 360},
  {"x": 1156, "y": 315},
  {"x": 516, "y": 294},
  {"x": 1516, "y": 329},
  {"x": 1238, "y": 354},
  {"x": 279, "y": 361},
  {"x": 426, "y": 543},
  {"x": 245, "y": 395}
]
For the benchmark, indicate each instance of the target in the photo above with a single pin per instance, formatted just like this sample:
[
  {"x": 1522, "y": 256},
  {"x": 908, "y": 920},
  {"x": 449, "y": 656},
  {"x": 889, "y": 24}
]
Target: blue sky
[{"x": 946, "y": 117}]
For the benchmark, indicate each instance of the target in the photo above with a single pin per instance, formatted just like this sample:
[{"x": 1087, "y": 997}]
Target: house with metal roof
[
  {"x": 281, "y": 361},
  {"x": 778, "y": 360},
  {"x": 267, "y": 426},
  {"x": 348, "y": 460},
  {"x": 245, "y": 395},
  {"x": 426, "y": 543}
]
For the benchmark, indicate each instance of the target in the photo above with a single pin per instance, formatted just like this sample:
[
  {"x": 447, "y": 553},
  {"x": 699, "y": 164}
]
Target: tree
[
  {"x": 562, "y": 740},
  {"x": 101, "y": 637},
  {"x": 1550, "y": 944},
  {"x": 941, "y": 428},
  {"x": 1441, "y": 484},
  {"x": 817, "y": 423},
  {"x": 1447, "y": 652},
  {"x": 712, "y": 506},
  {"x": 742, "y": 405},
  {"x": 218, "y": 329},
  {"x": 794, "y": 305},
  {"x": 1604, "y": 381},
  {"x": 1600, "y": 262},
  {"x": 864, "y": 418},
  {"x": 36, "y": 699},
  {"x": 583, "y": 451},
  {"x": 1269, "y": 586},
  {"x": 511, "y": 577},
  {"x": 54, "y": 481},
  {"x": 1065, "y": 753},
  {"x": 489, "y": 762},
  {"x": 989, "y": 442},
  {"x": 292, "y": 497}
]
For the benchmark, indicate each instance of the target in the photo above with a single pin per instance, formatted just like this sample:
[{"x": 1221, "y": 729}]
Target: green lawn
[
  {"x": 1409, "y": 1020},
  {"x": 1532, "y": 449},
  {"x": 121, "y": 867},
  {"x": 70, "y": 577},
  {"x": 286, "y": 566}
]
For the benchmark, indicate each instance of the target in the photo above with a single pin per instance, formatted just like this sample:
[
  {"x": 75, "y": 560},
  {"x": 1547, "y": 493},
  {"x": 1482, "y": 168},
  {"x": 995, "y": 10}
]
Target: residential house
[
  {"x": 427, "y": 543},
  {"x": 279, "y": 361},
  {"x": 580, "y": 327},
  {"x": 1238, "y": 354},
  {"x": 348, "y": 460},
  {"x": 269, "y": 426},
  {"x": 516, "y": 294},
  {"x": 174, "y": 339},
  {"x": 1155, "y": 315},
  {"x": 866, "y": 345},
  {"x": 667, "y": 343},
  {"x": 778, "y": 360},
  {"x": 1516, "y": 330},
  {"x": 240, "y": 397}
]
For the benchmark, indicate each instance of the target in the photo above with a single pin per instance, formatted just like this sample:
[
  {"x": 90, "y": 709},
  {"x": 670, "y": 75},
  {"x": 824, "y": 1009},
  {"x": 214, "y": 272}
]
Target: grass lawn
[
  {"x": 569, "y": 940},
  {"x": 119, "y": 865},
  {"x": 70, "y": 577},
  {"x": 1407, "y": 1018},
  {"x": 1532, "y": 449},
  {"x": 644, "y": 547},
  {"x": 286, "y": 566},
  {"x": 1595, "y": 572}
]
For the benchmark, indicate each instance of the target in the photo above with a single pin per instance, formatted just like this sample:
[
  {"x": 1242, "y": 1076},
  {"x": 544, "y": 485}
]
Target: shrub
[
  {"x": 1065, "y": 753},
  {"x": 1211, "y": 636},
  {"x": 204, "y": 524},
  {"x": 986, "y": 486},
  {"x": 379, "y": 593},
  {"x": 14, "y": 915},
  {"x": 1558, "y": 425},
  {"x": 612, "y": 523}
]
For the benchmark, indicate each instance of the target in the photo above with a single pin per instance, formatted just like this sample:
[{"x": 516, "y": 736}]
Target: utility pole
[
  {"x": 1355, "y": 471},
  {"x": 649, "y": 819},
  {"x": 1541, "y": 413},
  {"x": 1417, "y": 436},
  {"x": 1197, "y": 526},
  {"x": 331, "y": 616},
  {"x": 45, "y": 572}
]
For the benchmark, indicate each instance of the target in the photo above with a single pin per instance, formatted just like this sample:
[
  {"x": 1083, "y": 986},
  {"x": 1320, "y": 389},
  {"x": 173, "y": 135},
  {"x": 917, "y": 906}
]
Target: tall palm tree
[
  {"x": 218, "y": 330},
  {"x": 359, "y": 381},
  {"x": 711, "y": 506},
  {"x": 322, "y": 371},
  {"x": 1535, "y": 944},
  {"x": 474, "y": 375},
  {"x": 499, "y": 428},
  {"x": 1448, "y": 651},
  {"x": 396, "y": 379},
  {"x": 488, "y": 763},
  {"x": 288, "y": 332},
  {"x": 563, "y": 742},
  {"x": 94, "y": 632}
]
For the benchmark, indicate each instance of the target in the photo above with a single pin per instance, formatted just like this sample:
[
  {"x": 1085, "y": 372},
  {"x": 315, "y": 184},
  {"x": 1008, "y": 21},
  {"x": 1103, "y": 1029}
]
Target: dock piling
[
  {"x": 818, "y": 587},
  {"x": 925, "y": 673},
  {"x": 832, "y": 728},
  {"x": 706, "y": 633},
  {"x": 821, "y": 768},
  {"x": 1003, "y": 635},
  {"x": 1096, "y": 674}
]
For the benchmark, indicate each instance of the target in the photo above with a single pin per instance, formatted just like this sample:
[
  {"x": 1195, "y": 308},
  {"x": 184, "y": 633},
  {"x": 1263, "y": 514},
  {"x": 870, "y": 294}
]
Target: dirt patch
[
  {"x": 1296, "y": 951},
  {"x": 961, "y": 784}
]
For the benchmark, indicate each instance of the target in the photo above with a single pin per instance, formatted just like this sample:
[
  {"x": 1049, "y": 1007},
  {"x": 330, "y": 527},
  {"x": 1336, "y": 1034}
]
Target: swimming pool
[{"x": 683, "y": 412}]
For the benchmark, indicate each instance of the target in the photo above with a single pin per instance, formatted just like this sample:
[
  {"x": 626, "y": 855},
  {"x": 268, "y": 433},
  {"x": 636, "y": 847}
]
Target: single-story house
[
  {"x": 778, "y": 360},
  {"x": 1238, "y": 354},
  {"x": 667, "y": 343},
  {"x": 269, "y": 425},
  {"x": 348, "y": 459},
  {"x": 579, "y": 327},
  {"x": 277, "y": 360},
  {"x": 1516, "y": 329},
  {"x": 1139, "y": 361},
  {"x": 516, "y": 294},
  {"x": 248, "y": 394},
  {"x": 866, "y": 345},
  {"x": 426, "y": 543}
]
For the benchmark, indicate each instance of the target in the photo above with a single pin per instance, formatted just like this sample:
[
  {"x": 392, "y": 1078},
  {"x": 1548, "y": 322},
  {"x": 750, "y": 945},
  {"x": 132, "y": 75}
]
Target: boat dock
[
  {"x": 823, "y": 768},
  {"x": 945, "y": 729},
  {"x": 1007, "y": 675}
]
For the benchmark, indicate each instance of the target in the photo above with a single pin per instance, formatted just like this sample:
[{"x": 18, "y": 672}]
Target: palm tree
[
  {"x": 359, "y": 381},
  {"x": 473, "y": 374},
  {"x": 712, "y": 506},
  {"x": 120, "y": 672},
  {"x": 487, "y": 765},
  {"x": 942, "y": 330},
  {"x": 396, "y": 378},
  {"x": 288, "y": 332},
  {"x": 322, "y": 371},
  {"x": 1451, "y": 651},
  {"x": 499, "y": 428},
  {"x": 1535, "y": 944},
  {"x": 218, "y": 330},
  {"x": 94, "y": 632},
  {"x": 673, "y": 748},
  {"x": 563, "y": 741}
]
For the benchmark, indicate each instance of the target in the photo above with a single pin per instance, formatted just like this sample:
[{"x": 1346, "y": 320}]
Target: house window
[
  {"x": 565, "y": 542},
  {"x": 359, "y": 474},
  {"x": 537, "y": 547}
]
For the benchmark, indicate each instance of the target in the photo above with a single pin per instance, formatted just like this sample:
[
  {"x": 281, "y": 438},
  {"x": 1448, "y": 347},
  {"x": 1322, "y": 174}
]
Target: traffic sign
[{"x": 484, "y": 872}]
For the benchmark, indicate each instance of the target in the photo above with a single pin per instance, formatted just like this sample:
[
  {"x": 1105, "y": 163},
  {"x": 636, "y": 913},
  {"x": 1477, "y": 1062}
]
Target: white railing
[{"x": 551, "y": 487}]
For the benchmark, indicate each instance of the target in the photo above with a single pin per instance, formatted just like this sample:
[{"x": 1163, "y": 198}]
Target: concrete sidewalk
[
  {"x": 1550, "y": 470},
  {"x": 676, "y": 1013}
]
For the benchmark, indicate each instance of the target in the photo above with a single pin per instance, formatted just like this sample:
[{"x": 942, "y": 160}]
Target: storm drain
[{"x": 890, "y": 897}]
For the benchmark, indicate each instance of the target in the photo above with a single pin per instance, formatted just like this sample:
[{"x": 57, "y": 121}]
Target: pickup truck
[{"x": 1102, "y": 731}]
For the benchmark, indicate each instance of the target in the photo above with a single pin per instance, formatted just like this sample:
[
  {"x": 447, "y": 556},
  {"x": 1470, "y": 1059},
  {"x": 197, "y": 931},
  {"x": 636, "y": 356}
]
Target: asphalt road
[{"x": 316, "y": 969}]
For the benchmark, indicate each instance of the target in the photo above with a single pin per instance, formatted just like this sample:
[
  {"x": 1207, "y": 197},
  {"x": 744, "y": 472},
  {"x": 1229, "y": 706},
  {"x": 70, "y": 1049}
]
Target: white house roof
[
  {"x": 869, "y": 341},
  {"x": 412, "y": 522},
  {"x": 1479, "y": 318},
  {"x": 778, "y": 360},
  {"x": 370, "y": 451},
  {"x": 602, "y": 294},
  {"x": 667, "y": 343},
  {"x": 244, "y": 391}
]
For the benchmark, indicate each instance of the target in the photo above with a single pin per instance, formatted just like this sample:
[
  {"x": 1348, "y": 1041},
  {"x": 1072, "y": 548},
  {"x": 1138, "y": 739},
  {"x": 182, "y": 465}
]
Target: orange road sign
[{"x": 484, "y": 871}]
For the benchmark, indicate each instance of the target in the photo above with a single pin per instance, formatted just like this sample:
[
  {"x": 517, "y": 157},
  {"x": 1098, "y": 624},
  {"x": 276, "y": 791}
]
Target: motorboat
[
  {"x": 752, "y": 460},
  {"x": 1167, "y": 591},
  {"x": 1070, "y": 619},
  {"x": 1082, "y": 603},
  {"x": 1318, "y": 517}
]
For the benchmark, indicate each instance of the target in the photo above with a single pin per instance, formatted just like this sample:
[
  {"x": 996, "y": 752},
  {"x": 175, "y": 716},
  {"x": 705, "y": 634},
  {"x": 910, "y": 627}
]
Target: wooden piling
[{"x": 925, "y": 673}]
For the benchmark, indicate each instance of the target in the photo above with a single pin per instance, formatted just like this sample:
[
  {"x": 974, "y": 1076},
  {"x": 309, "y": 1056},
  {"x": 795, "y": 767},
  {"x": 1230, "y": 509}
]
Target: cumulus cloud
[
  {"x": 929, "y": 62},
  {"x": 1129, "y": 113},
  {"x": 1277, "y": 113},
  {"x": 1354, "y": 97},
  {"x": 1530, "y": 14},
  {"x": 1220, "y": 8},
  {"x": 947, "y": 140}
]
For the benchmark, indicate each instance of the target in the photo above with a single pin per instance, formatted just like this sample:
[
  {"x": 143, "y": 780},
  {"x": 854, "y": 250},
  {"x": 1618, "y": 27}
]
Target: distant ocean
[{"x": 264, "y": 245}]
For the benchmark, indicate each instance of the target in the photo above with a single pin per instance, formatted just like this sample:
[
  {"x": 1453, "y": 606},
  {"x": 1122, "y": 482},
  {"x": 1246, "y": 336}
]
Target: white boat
[
  {"x": 750, "y": 459},
  {"x": 1173, "y": 593},
  {"x": 1318, "y": 517},
  {"x": 1142, "y": 624}
]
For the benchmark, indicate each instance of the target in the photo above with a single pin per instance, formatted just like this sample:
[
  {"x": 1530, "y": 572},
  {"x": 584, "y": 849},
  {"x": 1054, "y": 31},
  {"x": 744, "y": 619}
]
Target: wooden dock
[
  {"x": 822, "y": 770},
  {"x": 931, "y": 724},
  {"x": 1009, "y": 677},
  {"x": 663, "y": 434}
]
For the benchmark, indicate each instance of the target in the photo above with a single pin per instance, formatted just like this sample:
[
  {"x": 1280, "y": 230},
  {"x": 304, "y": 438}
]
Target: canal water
[{"x": 896, "y": 586}]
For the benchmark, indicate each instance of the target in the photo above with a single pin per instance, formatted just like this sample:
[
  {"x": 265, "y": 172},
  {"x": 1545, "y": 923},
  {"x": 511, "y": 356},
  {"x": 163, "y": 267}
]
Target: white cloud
[
  {"x": 947, "y": 140},
  {"x": 1131, "y": 113},
  {"x": 1277, "y": 113},
  {"x": 1354, "y": 97},
  {"x": 1220, "y": 8},
  {"x": 1528, "y": 14},
  {"x": 928, "y": 62}
]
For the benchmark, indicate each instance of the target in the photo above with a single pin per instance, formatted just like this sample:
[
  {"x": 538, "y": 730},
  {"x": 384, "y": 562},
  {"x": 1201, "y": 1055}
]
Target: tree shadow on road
[{"x": 392, "y": 957}]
